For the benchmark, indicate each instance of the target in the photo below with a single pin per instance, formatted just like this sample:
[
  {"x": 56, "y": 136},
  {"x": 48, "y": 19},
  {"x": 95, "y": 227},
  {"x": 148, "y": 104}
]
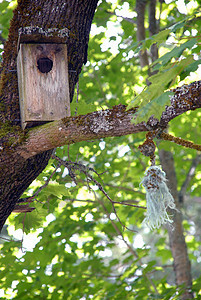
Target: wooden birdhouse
[{"x": 42, "y": 69}]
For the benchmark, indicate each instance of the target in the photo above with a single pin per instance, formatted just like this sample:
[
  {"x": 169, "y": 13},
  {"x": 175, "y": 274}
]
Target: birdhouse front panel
[{"x": 43, "y": 82}]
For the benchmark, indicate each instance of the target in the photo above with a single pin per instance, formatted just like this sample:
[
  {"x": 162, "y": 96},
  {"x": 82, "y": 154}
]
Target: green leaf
[
  {"x": 174, "y": 53},
  {"x": 156, "y": 39},
  {"x": 178, "y": 25},
  {"x": 34, "y": 219},
  {"x": 155, "y": 92},
  {"x": 192, "y": 67},
  {"x": 155, "y": 107}
]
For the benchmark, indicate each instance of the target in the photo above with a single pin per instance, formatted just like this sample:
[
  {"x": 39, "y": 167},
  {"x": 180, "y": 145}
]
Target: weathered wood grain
[{"x": 44, "y": 96}]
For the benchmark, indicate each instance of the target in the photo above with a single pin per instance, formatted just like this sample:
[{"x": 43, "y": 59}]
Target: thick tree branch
[
  {"x": 70, "y": 130},
  {"x": 104, "y": 123}
]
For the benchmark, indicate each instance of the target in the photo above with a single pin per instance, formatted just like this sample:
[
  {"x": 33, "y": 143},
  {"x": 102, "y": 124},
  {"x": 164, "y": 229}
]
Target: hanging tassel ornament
[{"x": 158, "y": 197}]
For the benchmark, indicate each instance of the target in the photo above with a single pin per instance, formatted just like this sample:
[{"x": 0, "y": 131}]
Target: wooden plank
[{"x": 43, "y": 96}]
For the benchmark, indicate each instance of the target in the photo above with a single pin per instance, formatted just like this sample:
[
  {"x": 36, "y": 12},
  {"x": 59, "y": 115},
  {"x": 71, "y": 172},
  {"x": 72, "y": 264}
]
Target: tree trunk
[
  {"x": 182, "y": 267},
  {"x": 16, "y": 173},
  {"x": 153, "y": 28},
  {"x": 140, "y": 9}
]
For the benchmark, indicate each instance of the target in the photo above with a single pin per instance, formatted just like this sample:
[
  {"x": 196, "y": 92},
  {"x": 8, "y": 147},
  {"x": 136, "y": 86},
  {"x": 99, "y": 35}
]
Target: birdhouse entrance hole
[{"x": 44, "y": 64}]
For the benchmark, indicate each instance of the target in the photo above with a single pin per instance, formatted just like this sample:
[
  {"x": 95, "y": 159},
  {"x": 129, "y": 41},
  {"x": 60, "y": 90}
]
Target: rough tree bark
[{"x": 16, "y": 173}]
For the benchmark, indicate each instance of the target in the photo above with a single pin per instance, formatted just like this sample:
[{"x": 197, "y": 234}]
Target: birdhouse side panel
[{"x": 21, "y": 85}]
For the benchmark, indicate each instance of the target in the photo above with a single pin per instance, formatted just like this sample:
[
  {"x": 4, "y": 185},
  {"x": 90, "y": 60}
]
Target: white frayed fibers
[{"x": 158, "y": 197}]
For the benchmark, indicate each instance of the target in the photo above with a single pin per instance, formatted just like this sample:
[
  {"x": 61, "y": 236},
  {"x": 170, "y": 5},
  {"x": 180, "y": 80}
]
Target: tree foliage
[{"x": 89, "y": 208}]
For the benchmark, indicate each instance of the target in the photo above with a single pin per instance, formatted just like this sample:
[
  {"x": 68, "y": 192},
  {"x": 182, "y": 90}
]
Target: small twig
[
  {"x": 23, "y": 208},
  {"x": 124, "y": 203},
  {"x": 112, "y": 202},
  {"x": 76, "y": 166},
  {"x": 79, "y": 200},
  {"x": 179, "y": 141},
  {"x": 131, "y": 190},
  {"x": 46, "y": 182},
  {"x": 10, "y": 240}
]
